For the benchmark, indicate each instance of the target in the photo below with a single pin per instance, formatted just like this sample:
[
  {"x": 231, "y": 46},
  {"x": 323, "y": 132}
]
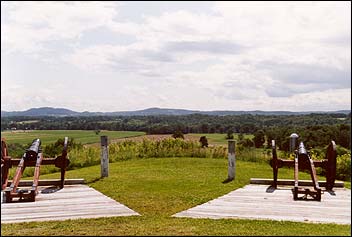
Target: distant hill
[
  {"x": 44, "y": 111},
  {"x": 61, "y": 112}
]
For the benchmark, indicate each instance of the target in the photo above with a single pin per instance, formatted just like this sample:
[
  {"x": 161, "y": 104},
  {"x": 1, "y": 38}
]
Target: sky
[{"x": 124, "y": 56}]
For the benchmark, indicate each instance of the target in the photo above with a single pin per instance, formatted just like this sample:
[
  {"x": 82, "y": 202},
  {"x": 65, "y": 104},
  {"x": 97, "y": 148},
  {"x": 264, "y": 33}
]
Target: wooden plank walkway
[
  {"x": 48, "y": 182},
  {"x": 261, "y": 202},
  {"x": 71, "y": 202},
  {"x": 291, "y": 182}
]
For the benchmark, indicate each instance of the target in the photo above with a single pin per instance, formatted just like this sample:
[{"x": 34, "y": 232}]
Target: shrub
[
  {"x": 16, "y": 150},
  {"x": 259, "y": 138},
  {"x": 125, "y": 150},
  {"x": 343, "y": 167},
  {"x": 178, "y": 134},
  {"x": 229, "y": 134},
  {"x": 55, "y": 149},
  {"x": 343, "y": 161},
  {"x": 246, "y": 143},
  {"x": 204, "y": 141},
  {"x": 252, "y": 154}
]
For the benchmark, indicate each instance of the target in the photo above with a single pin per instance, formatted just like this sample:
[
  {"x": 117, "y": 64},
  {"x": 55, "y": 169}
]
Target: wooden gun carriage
[
  {"x": 33, "y": 157},
  {"x": 303, "y": 161}
]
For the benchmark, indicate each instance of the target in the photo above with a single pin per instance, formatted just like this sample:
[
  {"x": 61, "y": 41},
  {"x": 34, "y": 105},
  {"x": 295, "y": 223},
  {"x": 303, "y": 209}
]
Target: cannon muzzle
[
  {"x": 33, "y": 150},
  {"x": 302, "y": 150}
]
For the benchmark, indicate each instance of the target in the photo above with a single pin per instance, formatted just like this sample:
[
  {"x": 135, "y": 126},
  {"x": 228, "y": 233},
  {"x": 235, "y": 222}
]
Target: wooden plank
[
  {"x": 77, "y": 213},
  {"x": 338, "y": 184},
  {"x": 258, "y": 209},
  {"x": 41, "y": 209},
  {"x": 262, "y": 217},
  {"x": 55, "y": 204},
  {"x": 96, "y": 215},
  {"x": 287, "y": 216},
  {"x": 254, "y": 202},
  {"x": 283, "y": 196},
  {"x": 84, "y": 203},
  {"x": 47, "y": 182},
  {"x": 269, "y": 203},
  {"x": 64, "y": 216},
  {"x": 52, "y": 203}
]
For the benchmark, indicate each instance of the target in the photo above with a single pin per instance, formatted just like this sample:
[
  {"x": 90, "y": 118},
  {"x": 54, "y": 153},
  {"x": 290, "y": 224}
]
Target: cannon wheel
[
  {"x": 331, "y": 166},
  {"x": 4, "y": 164}
]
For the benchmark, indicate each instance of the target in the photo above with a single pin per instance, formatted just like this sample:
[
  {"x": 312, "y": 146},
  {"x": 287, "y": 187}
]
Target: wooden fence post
[
  {"x": 104, "y": 162},
  {"x": 231, "y": 160}
]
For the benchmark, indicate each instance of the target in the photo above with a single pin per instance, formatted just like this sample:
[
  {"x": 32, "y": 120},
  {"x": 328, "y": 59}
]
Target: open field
[
  {"x": 90, "y": 137},
  {"x": 50, "y": 136},
  {"x": 213, "y": 138},
  {"x": 160, "y": 187},
  {"x": 216, "y": 138}
]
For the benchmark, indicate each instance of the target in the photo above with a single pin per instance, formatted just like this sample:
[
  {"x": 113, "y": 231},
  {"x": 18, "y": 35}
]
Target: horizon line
[{"x": 175, "y": 109}]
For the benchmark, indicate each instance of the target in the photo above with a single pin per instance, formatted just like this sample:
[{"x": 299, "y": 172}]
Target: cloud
[
  {"x": 29, "y": 24},
  {"x": 236, "y": 53},
  {"x": 286, "y": 21},
  {"x": 328, "y": 100},
  {"x": 214, "y": 47},
  {"x": 289, "y": 79},
  {"x": 128, "y": 58},
  {"x": 20, "y": 97}
]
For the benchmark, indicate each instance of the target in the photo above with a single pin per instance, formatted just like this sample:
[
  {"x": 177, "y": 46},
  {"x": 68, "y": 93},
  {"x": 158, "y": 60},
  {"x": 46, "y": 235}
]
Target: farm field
[
  {"x": 51, "y": 136},
  {"x": 157, "y": 188},
  {"x": 91, "y": 138},
  {"x": 214, "y": 139}
]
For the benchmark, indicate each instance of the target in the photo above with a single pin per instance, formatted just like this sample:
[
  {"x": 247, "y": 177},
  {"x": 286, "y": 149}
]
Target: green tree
[
  {"x": 229, "y": 134},
  {"x": 240, "y": 136},
  {"x": 204, "y": 141},
  {"x": 259, "y": 138},
  {"x": 178, "y": 134},
  {"x": 247, "y": 142}
]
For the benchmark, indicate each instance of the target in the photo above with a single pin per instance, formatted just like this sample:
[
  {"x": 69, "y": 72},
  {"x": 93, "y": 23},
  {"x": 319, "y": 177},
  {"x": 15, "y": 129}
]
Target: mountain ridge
[{"x": 63, "y": 112}]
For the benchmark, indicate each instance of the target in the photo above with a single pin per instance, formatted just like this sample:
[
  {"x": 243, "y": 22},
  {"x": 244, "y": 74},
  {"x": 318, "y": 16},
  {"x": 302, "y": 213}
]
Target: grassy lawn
[
  {"x": 160, "y": 187},
  {"x": 50, "y": 136}
]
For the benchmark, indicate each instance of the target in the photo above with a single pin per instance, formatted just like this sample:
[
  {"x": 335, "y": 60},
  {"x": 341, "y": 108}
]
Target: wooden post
[
  {"x": 104, "y": 156},
  {"x": 293, "y": 141},
  {"x": 231, "y": 160},
  {"x": 274, "y": 163}
]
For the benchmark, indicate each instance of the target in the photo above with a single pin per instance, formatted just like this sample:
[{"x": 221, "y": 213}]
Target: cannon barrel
[
  {"x": 302, "y": 150},
  {"x": 33, "y": 150}
]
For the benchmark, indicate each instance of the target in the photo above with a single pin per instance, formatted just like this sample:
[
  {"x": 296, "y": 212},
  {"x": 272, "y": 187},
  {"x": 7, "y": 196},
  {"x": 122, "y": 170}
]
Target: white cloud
[
  {"x": 286, "y": 21},
  {"x": 29, "y": 24},
  {"x": 238, "y": 54},
  {"x": 21, "y": 98}
]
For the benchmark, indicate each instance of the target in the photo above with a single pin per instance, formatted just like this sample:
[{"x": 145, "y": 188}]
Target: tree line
[{"x": 314, "y": 129}]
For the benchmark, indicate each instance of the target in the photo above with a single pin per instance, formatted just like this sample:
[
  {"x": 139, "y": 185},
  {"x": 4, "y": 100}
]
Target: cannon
[
  {"x": 33, "y": 151},
  {"x": 32, "y": 157},
  {"x": 303, "y": 161}
]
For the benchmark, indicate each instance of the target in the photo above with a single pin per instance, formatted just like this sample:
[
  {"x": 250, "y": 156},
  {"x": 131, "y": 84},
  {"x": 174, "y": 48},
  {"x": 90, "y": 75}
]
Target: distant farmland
[
  {"x": 50, "y": 136},
  {"x": 90, "y": 137}
]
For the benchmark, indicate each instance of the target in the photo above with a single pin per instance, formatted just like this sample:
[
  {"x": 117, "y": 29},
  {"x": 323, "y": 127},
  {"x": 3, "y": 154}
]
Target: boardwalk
[
  {"x": 260, "y": 202},
  {"x": 72, "y": 202}
]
